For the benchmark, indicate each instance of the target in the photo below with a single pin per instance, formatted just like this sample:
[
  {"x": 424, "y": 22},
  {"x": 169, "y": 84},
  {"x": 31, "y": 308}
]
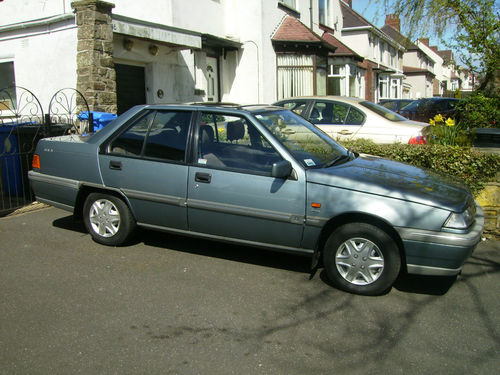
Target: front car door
[
  {"x": 231, "y": 193},
  {"x": 146, "y": 162}
]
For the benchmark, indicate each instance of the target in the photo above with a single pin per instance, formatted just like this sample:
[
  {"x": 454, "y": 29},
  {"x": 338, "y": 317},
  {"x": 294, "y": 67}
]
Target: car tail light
[
  {"x": 36, "y": 161},
  {"x": 418, "y": 140}
]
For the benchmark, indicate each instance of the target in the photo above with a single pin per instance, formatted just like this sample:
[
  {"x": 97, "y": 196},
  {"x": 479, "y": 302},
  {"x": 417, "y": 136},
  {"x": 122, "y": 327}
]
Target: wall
[
  {"x": 44, "y": 58},
  {"x": 489, "y": 199},
  {"x": 14, "y": 11}
]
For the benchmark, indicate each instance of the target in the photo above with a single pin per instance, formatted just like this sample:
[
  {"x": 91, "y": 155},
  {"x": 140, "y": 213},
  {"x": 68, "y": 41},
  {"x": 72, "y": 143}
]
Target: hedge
[{"x": 472, "y": 167}]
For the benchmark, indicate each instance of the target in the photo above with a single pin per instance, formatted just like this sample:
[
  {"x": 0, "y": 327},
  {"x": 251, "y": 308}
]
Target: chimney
[
  {"x": 425, "y": 41},
  {"x": 348, "y": 2},
  {"x": 392, "y": 20}
]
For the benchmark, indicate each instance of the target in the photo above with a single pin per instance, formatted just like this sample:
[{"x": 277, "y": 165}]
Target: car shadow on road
[
  {"x": 429, "y": 285},
  {"x": 233, "y": 252},
  {"x": 69, "y": 223}
]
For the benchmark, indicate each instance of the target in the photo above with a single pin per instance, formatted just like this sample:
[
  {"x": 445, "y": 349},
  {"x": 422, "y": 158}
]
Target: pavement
[{"x": 173, "y": 305}]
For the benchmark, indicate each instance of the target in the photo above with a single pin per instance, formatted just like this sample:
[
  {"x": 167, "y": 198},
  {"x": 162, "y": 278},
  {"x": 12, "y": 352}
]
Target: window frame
[
  {"x": 249, "y": 122},
  {"x": 106, "y": 148}
]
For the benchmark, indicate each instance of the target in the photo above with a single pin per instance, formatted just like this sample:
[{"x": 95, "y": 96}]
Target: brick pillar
[{"x": 96, "y": 76}]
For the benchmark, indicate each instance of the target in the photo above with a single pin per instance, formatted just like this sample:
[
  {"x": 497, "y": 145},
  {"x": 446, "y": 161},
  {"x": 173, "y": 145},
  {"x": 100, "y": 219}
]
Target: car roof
[
  {"x": 216, "y": 105},
  {"x": 346, "y": 99}
]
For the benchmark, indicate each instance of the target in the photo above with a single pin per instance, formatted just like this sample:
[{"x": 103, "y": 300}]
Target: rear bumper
[{"x": 440, "y": 253}]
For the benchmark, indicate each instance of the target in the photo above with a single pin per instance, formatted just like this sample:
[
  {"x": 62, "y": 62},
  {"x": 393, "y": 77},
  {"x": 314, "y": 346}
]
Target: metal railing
[{"x": 22, "y": 124}]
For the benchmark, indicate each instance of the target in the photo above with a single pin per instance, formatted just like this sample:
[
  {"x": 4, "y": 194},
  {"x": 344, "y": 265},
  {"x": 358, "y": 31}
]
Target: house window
[
  {"x": 325, "y": 12},
  {"x": 7, "y": 79},
  {"x": 300, "y": 75},
  {"x": 289, "y": 3},
  {"x": 345, "y": 80},
  {"x": 336, "y": 80},
  {"x": 393, "y": 57},
  {"x": 395, "y": 84},
  {"x": 383, "y": 86}
]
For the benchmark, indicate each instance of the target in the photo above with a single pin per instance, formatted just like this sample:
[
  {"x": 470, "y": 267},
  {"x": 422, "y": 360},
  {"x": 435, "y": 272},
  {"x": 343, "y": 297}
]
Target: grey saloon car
[{"x": 260, "y": 176}]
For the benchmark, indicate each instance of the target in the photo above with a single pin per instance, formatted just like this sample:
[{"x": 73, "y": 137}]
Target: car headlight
[{"x": 461, "y": 220}]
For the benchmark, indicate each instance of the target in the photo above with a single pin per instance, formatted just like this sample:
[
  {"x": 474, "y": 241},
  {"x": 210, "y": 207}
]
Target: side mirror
[{"x": 281, "y": 169}]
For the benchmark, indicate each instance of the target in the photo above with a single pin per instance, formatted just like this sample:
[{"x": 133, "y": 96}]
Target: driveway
[{"x": 174, "y": 305}]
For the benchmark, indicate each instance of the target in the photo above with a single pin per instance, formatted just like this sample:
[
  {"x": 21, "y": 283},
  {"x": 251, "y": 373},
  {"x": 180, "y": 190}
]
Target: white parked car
[{"x": 345, "y": 118}]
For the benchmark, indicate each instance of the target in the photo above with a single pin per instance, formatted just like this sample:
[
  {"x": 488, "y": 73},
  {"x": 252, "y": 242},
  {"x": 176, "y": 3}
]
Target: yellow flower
[
  {"x": 220, "y": 130},
  {"x": 432, "y": 122},
  {"x": 439, "y": 118},
  {"x": 450, "y": 122}
]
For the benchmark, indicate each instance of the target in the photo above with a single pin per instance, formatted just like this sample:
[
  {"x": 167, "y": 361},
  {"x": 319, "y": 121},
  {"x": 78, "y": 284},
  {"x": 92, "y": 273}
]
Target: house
[
  {"x": 124, "y": 53},
  {"x": 381, "y": 72},
  {"x": 418, "y": 65}
]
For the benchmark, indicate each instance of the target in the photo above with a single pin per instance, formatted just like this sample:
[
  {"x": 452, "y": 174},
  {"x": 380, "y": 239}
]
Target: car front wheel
[
  {"x": 108, "y": 219},
  {"x": 361, "y": 258}
]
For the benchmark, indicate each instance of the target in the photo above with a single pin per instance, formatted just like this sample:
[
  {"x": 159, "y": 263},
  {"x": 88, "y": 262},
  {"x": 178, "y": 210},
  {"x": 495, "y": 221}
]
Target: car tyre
[
  {"x": 362, "y": 259},
  {"x": 108, "y": 219}
]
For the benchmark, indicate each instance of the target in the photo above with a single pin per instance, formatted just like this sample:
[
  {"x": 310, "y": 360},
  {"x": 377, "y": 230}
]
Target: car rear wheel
[
  {"x": 362, "y": 259},
  {"x": 108, "y": 219}
]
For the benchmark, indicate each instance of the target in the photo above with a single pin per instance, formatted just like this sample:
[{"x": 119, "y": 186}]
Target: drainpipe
[
  {"x": 258, "y": 68},
  {"x": 311, "y": 13}
]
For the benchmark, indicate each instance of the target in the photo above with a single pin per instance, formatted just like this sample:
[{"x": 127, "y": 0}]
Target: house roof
[
  {"x": 292, "y": 30},
  {"x": 410, "y": 70},
  {"x": 447, "y": 55},
  {"x": 400, "y": 38},
  {"x": 342, "y": 50},
  {"x": 352, "y": 18}
]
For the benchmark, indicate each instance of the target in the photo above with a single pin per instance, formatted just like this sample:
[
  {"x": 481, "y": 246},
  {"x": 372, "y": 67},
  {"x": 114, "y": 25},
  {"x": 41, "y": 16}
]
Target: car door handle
[
  {"x": 345, "y": 132},
  {"x": 116, "y": 165},
  {"x": 203, "y": 177}
]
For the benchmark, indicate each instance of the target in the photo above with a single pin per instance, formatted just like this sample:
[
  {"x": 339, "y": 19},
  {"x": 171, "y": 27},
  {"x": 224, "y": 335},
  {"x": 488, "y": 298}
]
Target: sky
[{"x": 373, "y": 11}]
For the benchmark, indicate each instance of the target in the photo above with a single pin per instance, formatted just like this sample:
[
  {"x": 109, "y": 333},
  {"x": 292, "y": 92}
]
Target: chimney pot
[{"x": 392, "y": 20}]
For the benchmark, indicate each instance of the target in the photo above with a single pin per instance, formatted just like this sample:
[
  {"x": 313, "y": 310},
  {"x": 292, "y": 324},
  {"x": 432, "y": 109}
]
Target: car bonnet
[{"x": 378, "y": 176}]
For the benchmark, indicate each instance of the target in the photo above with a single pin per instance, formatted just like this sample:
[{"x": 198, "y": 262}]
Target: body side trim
[
  {"x": 287, "y": 249},
  {"x": 246, "y": 211}
]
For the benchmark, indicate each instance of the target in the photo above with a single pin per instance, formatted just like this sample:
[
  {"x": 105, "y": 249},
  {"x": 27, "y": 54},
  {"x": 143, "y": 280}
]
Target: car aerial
[
  {"x": 425, "y": 109},
  {"x": 259, "y": 176},
  {"x": 345, "y": 118},
  {"x": 395, "y": 104}
]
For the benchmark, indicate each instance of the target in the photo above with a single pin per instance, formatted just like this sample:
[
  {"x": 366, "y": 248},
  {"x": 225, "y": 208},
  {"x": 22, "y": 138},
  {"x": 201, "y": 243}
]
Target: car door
[
  {"x": 146, "y": 162},
  {"x": 339, "y": 120},
  {"x": 231, "y": 193}
]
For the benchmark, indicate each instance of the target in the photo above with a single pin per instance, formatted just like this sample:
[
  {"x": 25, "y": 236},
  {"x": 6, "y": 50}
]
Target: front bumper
[{"x": 440, "y": 253}]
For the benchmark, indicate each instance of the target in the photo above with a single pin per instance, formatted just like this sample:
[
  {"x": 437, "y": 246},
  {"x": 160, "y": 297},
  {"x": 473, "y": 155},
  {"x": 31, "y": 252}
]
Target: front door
[
  {"x": 147, "y": 164},
  {"x": 212, "y": 76},
  {"x": 231, "y": 193},
  {"x": 130, "y": 86}
]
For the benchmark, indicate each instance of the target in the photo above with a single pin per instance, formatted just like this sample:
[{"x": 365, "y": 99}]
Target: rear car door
[
  {"x": 339, "y": 120},
  {"x": 146, "y": 161},
  {"x": 231, "y": 193}
]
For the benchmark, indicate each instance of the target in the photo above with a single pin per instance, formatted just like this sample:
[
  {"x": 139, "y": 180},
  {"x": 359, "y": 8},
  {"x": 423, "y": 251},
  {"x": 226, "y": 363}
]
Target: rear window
[{"x": 384, "y": 112}]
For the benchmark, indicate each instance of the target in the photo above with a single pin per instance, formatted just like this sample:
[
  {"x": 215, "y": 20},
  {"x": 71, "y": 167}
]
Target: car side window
[
  {"x": 131, "y": 142},
  {"x": 355, "y": 117},
  {"x": 329, "y": 113},
  {"x": 298, "y": 107},
  {"x": 167, "y": 136},
  {"x": 158, "y": 135},
  {"x": 232, "y": 142}
]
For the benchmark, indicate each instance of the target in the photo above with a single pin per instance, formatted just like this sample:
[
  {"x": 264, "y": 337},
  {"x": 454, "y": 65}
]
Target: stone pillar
[{"x": 96, "y": 76}]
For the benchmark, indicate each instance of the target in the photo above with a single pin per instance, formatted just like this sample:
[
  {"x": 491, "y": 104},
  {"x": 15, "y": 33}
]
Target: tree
[{"x": 472, "y": 29}]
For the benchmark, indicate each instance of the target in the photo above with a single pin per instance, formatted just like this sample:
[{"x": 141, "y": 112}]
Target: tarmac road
[{"x": 175, "y": 305}]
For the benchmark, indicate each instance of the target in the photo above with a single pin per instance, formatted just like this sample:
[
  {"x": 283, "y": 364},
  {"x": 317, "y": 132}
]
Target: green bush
[
  {"x": 471, "y": 167},
  {"x": 478, "y": 111}
]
